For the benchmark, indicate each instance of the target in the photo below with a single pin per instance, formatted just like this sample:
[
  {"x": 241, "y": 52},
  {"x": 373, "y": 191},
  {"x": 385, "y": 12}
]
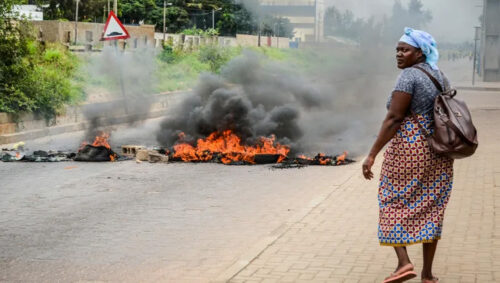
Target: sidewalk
[
  {"x": 336, "y": 239},
  {"x": 478, "y": 86}
]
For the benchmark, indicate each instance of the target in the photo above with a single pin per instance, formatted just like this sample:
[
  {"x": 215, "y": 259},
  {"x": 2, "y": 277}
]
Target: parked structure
[
  {"x": 89, "y": 34},
  {"x": 489, "y": 62},
  {"x": 306, "y": 16}
]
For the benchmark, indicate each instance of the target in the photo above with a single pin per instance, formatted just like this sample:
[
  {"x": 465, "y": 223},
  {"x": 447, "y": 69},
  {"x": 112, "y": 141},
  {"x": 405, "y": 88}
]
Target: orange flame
[
  {"x": 323, "y": 160},
  {"x": 228, "y": 146},
  {"x": 304, "y": 157},
  {"x": 341, "y": 158},
  {"x": 102, "y": 140}
]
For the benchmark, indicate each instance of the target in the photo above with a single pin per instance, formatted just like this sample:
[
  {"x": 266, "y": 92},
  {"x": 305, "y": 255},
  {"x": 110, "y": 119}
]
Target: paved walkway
[{"x": 336, "y": 239}]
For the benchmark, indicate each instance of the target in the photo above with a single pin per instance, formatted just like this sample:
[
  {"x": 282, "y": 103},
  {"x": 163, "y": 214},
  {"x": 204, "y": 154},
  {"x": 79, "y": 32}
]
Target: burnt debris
[{"x": 90, "y": 153}]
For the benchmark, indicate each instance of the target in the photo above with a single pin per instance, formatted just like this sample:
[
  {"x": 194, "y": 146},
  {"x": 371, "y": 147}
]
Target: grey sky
[{"x": 453, "y": 20}]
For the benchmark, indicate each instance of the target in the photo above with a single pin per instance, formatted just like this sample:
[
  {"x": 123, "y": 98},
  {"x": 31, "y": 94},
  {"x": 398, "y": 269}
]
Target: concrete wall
[
  {"x": 193, "y": 41},
  {"x": 253, "y": 40},
  {"x": 144, "y": 35},
  {"x": 490, "y": 39},
  {"x": 48, "y": 30},
  {"x": 90, "y": 33},
  {"x": 29, "y": 126}
]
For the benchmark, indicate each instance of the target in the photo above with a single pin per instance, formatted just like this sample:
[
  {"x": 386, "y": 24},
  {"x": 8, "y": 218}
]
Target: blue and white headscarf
[{"x": 424, "y": 41}]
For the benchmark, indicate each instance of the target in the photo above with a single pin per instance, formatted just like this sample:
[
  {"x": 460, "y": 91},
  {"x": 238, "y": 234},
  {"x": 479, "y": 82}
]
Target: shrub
[
  {"x": 167, "y": 55},
  {"x": 216, "y": 56},
  {"x": 192, "y": 31},
  {"x": 33, "y": 77}
]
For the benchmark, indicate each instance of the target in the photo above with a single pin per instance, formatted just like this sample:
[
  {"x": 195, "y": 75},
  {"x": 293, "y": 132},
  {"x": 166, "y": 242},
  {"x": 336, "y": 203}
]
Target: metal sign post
[{"x": 114, "y": 30}]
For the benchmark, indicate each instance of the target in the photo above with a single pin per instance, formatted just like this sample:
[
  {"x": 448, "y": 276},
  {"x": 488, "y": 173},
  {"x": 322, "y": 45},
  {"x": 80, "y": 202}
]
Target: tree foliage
[
  {"x": 230, "y": 16},
  {"x": 412, "y": 16},
  {"x": 368, "y": 30},
  {"x": 33, "y": 77}
]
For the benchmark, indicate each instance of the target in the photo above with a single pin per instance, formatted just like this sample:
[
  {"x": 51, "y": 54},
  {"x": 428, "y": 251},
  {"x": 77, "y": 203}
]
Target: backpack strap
[
  {"x": 433, "y": 79},
  {"x": 439, "y": 87},
  {"x": 422, "y": 129}
]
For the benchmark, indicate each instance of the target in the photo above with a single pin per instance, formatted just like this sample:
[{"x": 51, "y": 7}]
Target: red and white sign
[{"x": 113, "y": 29}]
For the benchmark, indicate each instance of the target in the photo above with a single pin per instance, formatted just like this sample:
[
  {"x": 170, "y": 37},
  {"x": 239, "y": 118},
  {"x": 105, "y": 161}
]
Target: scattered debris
[
  {"x": 131, "y": 150},
  {"x": 152, "y": 156},
  {"x": 319, "y": 159},
  {"x": 288, "y": 166},
  {"x": 92, "y": 153},
  {"x": 19, "y": 146},
  {"x": 44, "y": 156},
  {"x": 100, "y": 151},
  {"x": 155, "y": 157},
  {"x": 9, "y": 155}
]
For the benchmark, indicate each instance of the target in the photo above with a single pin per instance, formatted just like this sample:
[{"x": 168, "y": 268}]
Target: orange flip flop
[{"x": 403, "y": 274}]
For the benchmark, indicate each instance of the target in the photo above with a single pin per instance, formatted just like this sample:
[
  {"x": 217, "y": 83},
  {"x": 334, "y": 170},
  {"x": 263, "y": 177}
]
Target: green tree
[
  {"x": 88, "y": 10},
  {"x": 231, "y": 16},
  {"x": 177, "y": 17},
  {"x": 277, "y": 26},
  {"x": 236, "y": 19},
  {"x": 345, "y": 24},
  {"x": 413, "y": 16},
  {"x": 33, "y": 77},
  {"x": 134, "y": 12}
]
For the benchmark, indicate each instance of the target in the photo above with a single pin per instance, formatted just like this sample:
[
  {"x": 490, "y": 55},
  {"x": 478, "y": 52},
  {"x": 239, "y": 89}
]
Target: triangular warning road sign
[{"x": 113, "y": 29}]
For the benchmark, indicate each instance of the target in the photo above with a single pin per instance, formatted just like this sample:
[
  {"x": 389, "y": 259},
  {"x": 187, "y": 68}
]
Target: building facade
[
  {"x": 306, "y": 16},
  {"x": 489, "y": 62}
]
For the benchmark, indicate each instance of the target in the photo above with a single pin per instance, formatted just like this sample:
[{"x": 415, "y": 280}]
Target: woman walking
[{"x": 415, "y": 184}]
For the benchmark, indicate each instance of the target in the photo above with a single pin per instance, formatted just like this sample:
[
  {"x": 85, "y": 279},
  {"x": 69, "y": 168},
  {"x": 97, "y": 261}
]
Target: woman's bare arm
[{"x": 397, "y": 111}]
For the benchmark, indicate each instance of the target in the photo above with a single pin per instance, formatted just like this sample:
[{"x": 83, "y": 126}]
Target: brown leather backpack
[{"x": 455, "y": 136}]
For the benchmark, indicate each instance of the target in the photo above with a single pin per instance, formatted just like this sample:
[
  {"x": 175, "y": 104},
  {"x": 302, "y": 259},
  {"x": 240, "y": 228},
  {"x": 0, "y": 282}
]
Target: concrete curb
[
  {"x": 56, "y": 130},
  {"x": 478, "y": 88},
  {"x": 261, "y": 246},
  {"x": 163, "y": 100}
]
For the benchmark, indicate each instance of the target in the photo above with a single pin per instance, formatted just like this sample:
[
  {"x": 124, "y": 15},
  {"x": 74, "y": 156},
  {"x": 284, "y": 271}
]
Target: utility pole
[
  {"x": 76, "y": 20},
  {"x": 278, "y": 34},
  {"x": 213, "y": 16},
  {"x": 164, "y": 16},
  {"x": 165, "y": 4},
  {"x": 476, "y": 38},
  {"x": 115, "y": 7},
  {"x": 109, "y": 6},
  {"x": 260, "y": 28}
]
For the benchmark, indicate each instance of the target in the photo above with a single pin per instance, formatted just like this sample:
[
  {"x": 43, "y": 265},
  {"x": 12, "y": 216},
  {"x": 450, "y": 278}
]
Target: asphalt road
[{"x": 125, "y": 221}]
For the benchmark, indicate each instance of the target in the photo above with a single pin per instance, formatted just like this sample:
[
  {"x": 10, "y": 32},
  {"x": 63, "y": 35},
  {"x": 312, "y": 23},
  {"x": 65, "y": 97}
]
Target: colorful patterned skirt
[{"x": 415, "y": 186}]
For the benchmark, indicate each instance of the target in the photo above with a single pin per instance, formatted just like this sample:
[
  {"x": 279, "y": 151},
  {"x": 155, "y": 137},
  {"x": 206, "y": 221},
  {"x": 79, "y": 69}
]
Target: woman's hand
[
  {"x": 367, "y": 167},
  {"x": 397, "y": 111}
]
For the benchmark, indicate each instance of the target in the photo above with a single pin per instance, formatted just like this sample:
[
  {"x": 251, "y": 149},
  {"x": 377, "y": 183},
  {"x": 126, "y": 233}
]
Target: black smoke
[
  {"x": 251, "y": 98},
  {"x": 328, "y": 111}
]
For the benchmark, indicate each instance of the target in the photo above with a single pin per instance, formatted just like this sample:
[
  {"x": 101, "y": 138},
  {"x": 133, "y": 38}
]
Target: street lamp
[
  {"x": 165, "y": 4},
  {"x": 213, "y": 17}
]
